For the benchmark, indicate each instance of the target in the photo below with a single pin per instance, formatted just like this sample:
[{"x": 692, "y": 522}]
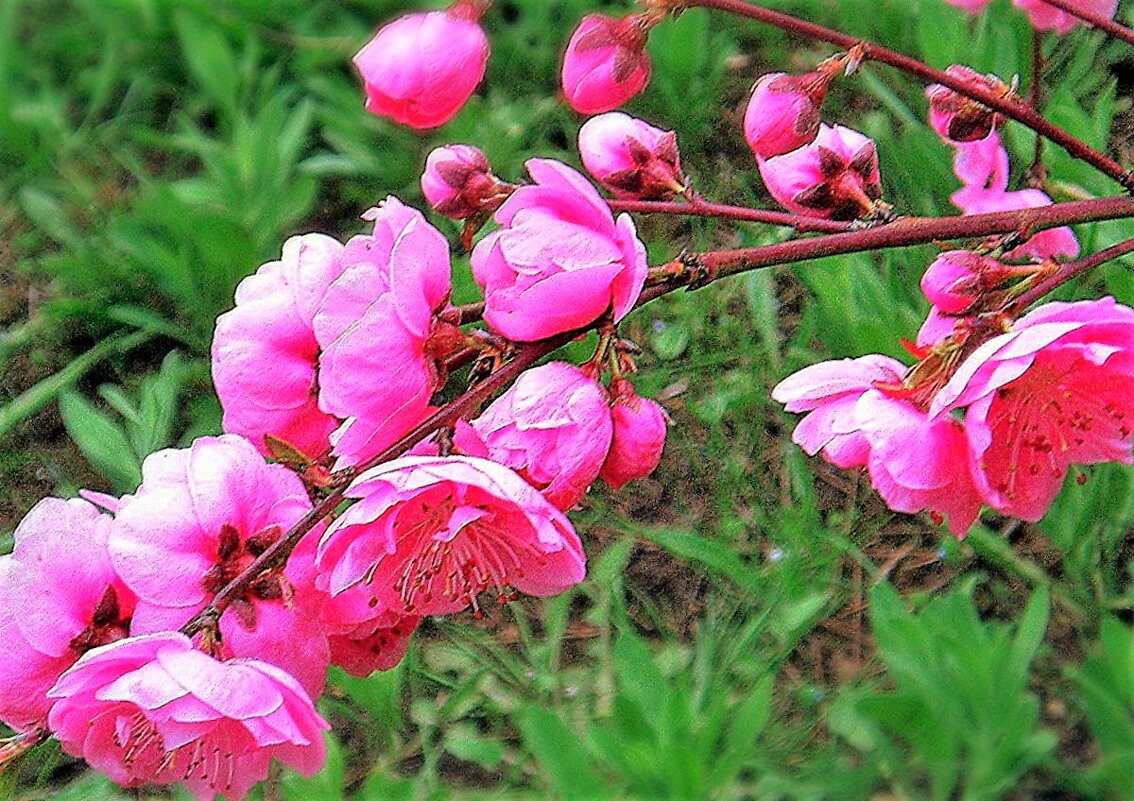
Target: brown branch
[
  {"x": 1066, "y": 272},
  {"x": 702, "y": 208},
  {"x": 1112, "y": 27}
]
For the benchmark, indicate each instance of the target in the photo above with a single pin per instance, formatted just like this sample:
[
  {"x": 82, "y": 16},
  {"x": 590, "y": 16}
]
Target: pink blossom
[
  {"x": 421, "y": 68},
  {"x": 957, "y": 279},
  {"x": 937, "y": 327},
  {"x": 553, "y": 427},
  {"x": 957, "y": 118},
  {"x": 639, "y": 436},
  {"x": 202, "y": 515},
  {"x": 606, "y": 62},
  {"x": 429, "y": 534},
  {"x": 1057, "y": 390},
  {"x": 630, "y": 157},
  {"x": 835, "y": 177},
  {"x": 378, "y": 327},
  {"x": 458, "y": 182},
  {"x": 829, "y": 391},
  {"x": 154, "y": 710},
  {"x": 560, "y": 261},
  {"x": 783, "y": 112},
  {"x": 1046, "y": 17},
  {"x": 378, "y": 644},
  {"x": 265, "y": 356},
  {"x": 59, "y": 598}
]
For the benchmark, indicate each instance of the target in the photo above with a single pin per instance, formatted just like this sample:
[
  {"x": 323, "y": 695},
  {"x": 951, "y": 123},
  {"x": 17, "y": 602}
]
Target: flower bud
[
  {"x": 421, "y": 68},
  {"x": 639, "y": 436},
  {"x": 631, "y": 158},
  {"x": 606, "y": 62},
  {"x": 783, "y": 113},
  {"x": 959, "y": 119},
  {"x": 957, "y": 278},
  {"x": 458, "y": 183},
  {"x": 835, "y": 177}
]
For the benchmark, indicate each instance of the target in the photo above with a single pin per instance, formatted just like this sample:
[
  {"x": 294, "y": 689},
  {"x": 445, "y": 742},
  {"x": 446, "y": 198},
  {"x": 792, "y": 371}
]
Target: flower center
[{"x": 107, "y": 625}]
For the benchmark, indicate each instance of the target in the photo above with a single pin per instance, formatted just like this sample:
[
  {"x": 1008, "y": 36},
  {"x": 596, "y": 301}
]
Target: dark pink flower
[
  {"x": 202, "y": 515},
  {"x": 956, "y": 117},
  {"x": 458, "y": 182},
  {"x": 59, "y": 598},
  {"x": 421, "y": 68},
  {"x": 265, "y": 357},
  {"x": 1046, "y": 17},
  {"x": 553, "y": 427},
  {"x": 783, "y": 112},
  {"x": 1055, "y": 391},
  {"x": 638, "y": 435},
  {"x": 154, "y": 710},
  {"x": 835, "y": 177},
  {"x": 378, "y": 644},
  {"x": 606, "y": 62},
  {"x": 560, "y": 260},
  {"x": 429, "y": 534},
  {"x": 630, "y": 157}
]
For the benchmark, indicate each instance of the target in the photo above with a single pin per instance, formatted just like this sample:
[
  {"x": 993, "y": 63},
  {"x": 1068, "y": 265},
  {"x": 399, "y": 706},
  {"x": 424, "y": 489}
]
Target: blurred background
[{"x": 755, "y": 625}]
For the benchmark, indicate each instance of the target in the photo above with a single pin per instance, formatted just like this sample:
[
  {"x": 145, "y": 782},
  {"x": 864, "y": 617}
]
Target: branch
[
  {"x": 1066, "y": 272},
  {"x": 1008, "y": 106},
  {"x": 702, "y": 208},
  {"x": 1112, "y": 28}
]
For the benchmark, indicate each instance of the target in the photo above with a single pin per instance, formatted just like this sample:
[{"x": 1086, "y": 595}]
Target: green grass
[{"x": 754, "y": 624}]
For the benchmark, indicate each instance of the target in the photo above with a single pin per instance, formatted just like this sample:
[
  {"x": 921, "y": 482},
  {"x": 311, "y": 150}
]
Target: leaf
[
  {"x": 560, "y": 754},
  {"x": 102, "y": 442}
]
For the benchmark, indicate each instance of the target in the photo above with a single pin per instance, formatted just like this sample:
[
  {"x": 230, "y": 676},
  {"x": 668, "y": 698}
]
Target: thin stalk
[
  {"x": 702, "y": 208},
  {"x": 1110, "y": 26},
  {"x": 1037, "y": 173},
  {"x": 1066, "y": 272},
  {"x": 1010, "y": 106}
]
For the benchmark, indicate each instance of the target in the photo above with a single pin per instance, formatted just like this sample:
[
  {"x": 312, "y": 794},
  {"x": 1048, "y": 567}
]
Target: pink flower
[
  {"x": 639, "y": 436},
  {"x": 630, "y": 157},
  {"x": 378, "y": 326},
  {"x": 829, "y": 391},
  {"x": 937, "y": 327},
  {"x": 378, "y": 644},
  {"x": 957, "y": 118},
  {"x": 834, "y": 177},
  {"x": 153, "y": 710},
  {"x": 606, "y": 62},
  {"x": 421, "y": 68},
  {"x": 560, "y": 261},
  {"x": 1055, "y": 391},
  {"x": 1046, "y": 17},
  {"x": 429, "y": 534},
  {"x": 553, "y": 427},
  {"x": 201, "y": 515},
  {"x": 971, "y": 6},
  {"x": 59, "y": 598},
  {"x": 783, "y": 112},
  {"x": 458, "y": 182},
  {"x": 265, "y": 357},
  {"x": 958, "y": 278}
]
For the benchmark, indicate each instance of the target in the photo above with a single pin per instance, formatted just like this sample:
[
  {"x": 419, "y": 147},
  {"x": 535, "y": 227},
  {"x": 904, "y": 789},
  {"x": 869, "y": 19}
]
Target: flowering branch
[
  {"x": 1112, "y": 28},
  {"x": 702, "y": 208},
  {"x": 1009, "y": 106}
]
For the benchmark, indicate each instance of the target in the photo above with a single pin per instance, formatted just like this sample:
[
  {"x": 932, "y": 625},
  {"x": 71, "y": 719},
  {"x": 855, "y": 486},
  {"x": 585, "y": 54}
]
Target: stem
[
  {"x": 1037, "y": 174},
  {"x": 1008, "y": 106},
  {"x": 1066, "y": 272},
  {"x": 702, "y": 208},
  {"x": 1113, "y": 28}
]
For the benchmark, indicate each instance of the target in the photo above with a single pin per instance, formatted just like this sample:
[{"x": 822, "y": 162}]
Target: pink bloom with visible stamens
[
  {"x": 638, "y": 435},
  {"x": 429, "y": 534},
  {"x": 560, "y": 260},
  {"x": 1046, "y": 17},
  {"x": 1055, "y": 391},
  {"x": 834, "y": 177},
  {"x": 420, "y": 69},
  {"x": 606, "y": 63},
  {"x": 59, "y": 598},
  {"x": 553, "y": 427},
  {"x": 265, "y": 356},
  {"x": 202, "y": 515},
  {"x": 630, "y": 157},
  {"x": 378, "y": 326},
  {"x": 152, "y": 709}
]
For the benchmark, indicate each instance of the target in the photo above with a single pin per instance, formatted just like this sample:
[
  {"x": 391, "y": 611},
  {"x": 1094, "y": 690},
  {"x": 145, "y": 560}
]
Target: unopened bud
[
  {"x": 458, "y": 183},
  {"x": 783, "y": 113},
  {"x": 631, "y": 158},
  {"x": 606, "y": 62},
  {"x": 958, "y": 118}
]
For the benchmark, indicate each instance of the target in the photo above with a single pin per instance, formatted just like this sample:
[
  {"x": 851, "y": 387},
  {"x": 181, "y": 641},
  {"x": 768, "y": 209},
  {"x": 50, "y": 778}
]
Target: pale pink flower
[
  {"x": 829, "y": 391},
  {"x": 560, "y": 261},
  {"x": 834, "y": 177},
  {"x": 421, "y": 68},
  {"x": 378, "y": 326},
  {"x": 957, "y": 118},
  {"x": 606, "y": 62},
  {"x": 553, "y": 427},
  {"x": 429, "y": 534},
  {"x": 59, "y": 598},
  {"x": 639, "y": 435},
  {"x": 783, "y": 112},
  {"x": 202, "y": 515},
  {"x": 1046, "y": 17},
  {"x": 152, "y": 709},
  {"x": 265, "y": 357},
  {"x": 1055, "y": 391},
  {"x": 458, "y": 182},
  {"x": 630, "y": 157}
]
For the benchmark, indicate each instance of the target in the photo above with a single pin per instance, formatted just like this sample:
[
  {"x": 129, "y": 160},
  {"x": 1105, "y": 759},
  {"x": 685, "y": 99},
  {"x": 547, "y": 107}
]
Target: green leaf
[
  {"x": 102, "y": 442},
  {"x": 560, "y": 754}
]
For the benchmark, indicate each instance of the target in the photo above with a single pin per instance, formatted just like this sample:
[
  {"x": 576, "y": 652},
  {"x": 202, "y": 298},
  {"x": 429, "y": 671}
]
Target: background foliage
[{"x": 755, "y": 625}]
